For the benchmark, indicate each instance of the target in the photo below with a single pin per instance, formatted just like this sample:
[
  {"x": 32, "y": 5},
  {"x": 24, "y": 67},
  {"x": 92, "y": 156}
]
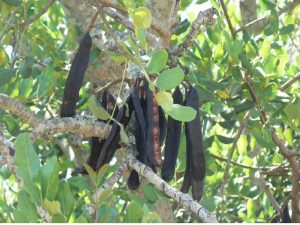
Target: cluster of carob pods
[{"x": 152, "y": 129}]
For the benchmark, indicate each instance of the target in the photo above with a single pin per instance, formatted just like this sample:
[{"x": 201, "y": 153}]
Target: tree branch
[
  {"x": 290, "y": 82},
  {"x": 155, "y": 25},
  {"x": 228, "y": 19},
  {"x": 204, "y": 18},
  {"x": 19, "y": 110},
  {"x": 181, "y": 198},
  {"x": 234, "y": 144},
  {"x": 37, "y": 16},
  {"x": 284, "y": 150},
  {"x": 265, "y": 20},
  {"x": 85, "y": 125},
  {"x": 120, "y": 18}
]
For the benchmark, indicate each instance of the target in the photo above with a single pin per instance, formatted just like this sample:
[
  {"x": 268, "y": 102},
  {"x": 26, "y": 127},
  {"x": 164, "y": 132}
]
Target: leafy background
[{"x": 34, "y": 63}]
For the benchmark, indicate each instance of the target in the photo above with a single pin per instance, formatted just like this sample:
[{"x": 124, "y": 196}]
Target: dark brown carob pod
[
  {"x": 75, "y": 77},
  {"x": 109, "y": 103},
  {"x": 162, "y": 125},
  {"x": 153, "y": 144},
  {"x": 194, "y": 144},
  {"x": 172, "y": 141},
  {"x": 286, "y": 218},
  {"x": 112, "y": 142},
  {"x": 133, "y": 179}
]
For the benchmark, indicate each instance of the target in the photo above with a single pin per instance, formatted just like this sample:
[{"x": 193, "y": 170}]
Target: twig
[
  {"x": 108, "y": 85},
  {"x": 92, "y": 23},
  {"x": 36, "y": 17},
  {"x": 264, "y": 20},
  {"x": 121, "y": 19},
  {"x": 19, "y": 109},
  {"x": 116, "y": 175},
  {"x": 290, "y": 82},
  {"x": 265, "y": 170},
  {"x": 228, "y": 19},
  {"x": 173, "y": 14},
  {"x": 204, "y": 18},
  {"x": 246, "y": 26},
  {"x": 234, "y": 144},
  {"x": 155, "y": 25},
  {"x": 262, "y": 184}
]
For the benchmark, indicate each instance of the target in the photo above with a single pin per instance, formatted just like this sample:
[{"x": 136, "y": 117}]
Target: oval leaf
[
  {"x": 158, "y": 61},
  {"x": 165, "y": 100},
  {"x": 97, "y": 109},
  {"x": 6, "y": 75},
  {"x": 182, "y": 113},
  {"x": 142, "y": 17},
  {"x": 169, "y": 79}
]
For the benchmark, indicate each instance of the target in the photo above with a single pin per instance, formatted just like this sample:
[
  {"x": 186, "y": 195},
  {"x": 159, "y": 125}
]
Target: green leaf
[
  {"x": 49, "y": 179},
  {"x": 26, "y": 208},
  {"x": 123, "y": 135},
  {"x": 151, "y": 217},
  {"x": 245, "y": 61},
  {"x": 142, "y": 17},
  {"x": 286, "y": 29},
  {"x": 134, "y": 213},
  {"x": 13, "y": 2},
  {"x": 165, "y": 100},
  {"x": 81, "y": 219},
  {"x": 149, "y": 192},
  {"x": 211, "y": 203},
  {"x": 182, "y": 113},
  {"x": 141, "y": 36},
  {"x": 158, "y": 61},
  {"x": 53, "y": 207},
  {"x": 2, "y": 56},
  {"x": 96, "y": 108},
  {"x": 267, "y": 4},
  {"x": 244, "y": 105},
  {"x": 26, "y": 69},
  {"x": 225, "y": 140},
  {"x": 117, "y": 57},
  {"x": 28, "y": 165},
  {"x": 26, "y": 159},
  {"x": 169, "y": 79},
  {"x": 66, "y": 199},
  {"x": 6, "y": 75}
]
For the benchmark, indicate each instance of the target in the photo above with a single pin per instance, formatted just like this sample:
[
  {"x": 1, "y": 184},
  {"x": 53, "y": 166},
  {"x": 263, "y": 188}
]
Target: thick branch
[
  {"x": 19, "y": 110},
  {"x": 87, "y": 126}
]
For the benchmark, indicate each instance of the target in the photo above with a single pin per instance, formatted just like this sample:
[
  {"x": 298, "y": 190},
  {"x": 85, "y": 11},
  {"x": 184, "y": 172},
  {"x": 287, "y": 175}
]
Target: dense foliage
[{"x": 239, "y": 78}]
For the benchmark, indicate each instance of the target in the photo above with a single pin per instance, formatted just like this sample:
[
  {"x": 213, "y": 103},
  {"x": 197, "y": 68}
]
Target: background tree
[{"x": 242, "y": 57}]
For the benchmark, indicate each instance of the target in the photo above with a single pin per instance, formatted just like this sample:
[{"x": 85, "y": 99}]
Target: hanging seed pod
[
  {"x": 162, "y": 125},
  {"x": 172, "y": 141},
  {"x": 286, "y": 215},
  {"x": 75, "y": 77},
  {"x": 112, "y": 142},
  {"x": 133, "y": 179},
  {"x": 195, "y": 146},
  {"x": 153, "y": 144}
]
